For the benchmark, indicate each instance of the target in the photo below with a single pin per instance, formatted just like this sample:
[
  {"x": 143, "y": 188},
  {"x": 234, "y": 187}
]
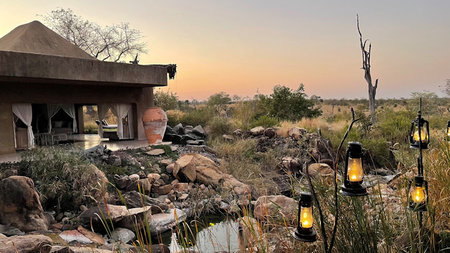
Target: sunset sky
[{"x": 244, "y": 47}]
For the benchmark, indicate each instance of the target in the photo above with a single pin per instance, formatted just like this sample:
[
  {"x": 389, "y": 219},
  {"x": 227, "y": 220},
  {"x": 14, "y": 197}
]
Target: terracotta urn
[{"x": 155, "y": 122}]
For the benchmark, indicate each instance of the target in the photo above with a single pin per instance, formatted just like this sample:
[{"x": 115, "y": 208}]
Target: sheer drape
[
  {"x": 51, "y": 111},
  {"x": 102, "y": 110},
  {"x": 25, "y": 113},
  {"x": 122, "y": 111},
  {"x": 70, "y": 110}
]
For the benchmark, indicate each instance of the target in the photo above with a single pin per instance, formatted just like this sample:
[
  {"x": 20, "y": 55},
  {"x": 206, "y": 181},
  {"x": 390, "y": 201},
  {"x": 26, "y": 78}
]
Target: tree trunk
[{"x": 372, "y": 105}]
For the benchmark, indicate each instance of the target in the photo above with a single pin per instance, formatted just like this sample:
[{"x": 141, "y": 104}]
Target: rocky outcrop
[
  {"x": 183, "y": 135},
  {"x": 162, "y": 222},
  {"x": 127, "y": 218},
  {"x": 276, "y": 207},
  {"x": 26, "y": 244},
  {"x": 20, "y": 206},
  {"x": 198, "y": 168}
]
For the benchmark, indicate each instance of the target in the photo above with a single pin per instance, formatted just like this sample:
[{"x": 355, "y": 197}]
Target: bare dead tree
[
  {"x": 366, "y": 53},
  {"x": 110, "y": 43}
]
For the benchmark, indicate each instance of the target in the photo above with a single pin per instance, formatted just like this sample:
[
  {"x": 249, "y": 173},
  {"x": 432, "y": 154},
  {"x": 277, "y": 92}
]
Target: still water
[{"x": 215, "y": 234}]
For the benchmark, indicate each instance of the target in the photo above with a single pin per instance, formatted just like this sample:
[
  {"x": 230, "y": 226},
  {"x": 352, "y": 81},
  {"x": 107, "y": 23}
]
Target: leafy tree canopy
[{"x": 287, "y": 104}]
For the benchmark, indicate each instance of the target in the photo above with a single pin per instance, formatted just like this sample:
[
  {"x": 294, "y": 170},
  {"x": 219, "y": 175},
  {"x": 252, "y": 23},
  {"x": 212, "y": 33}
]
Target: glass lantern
[
  {"x": 305, "y": 231},
  {"x": 420, "y": 133},
  {"x": 418, "y": 194},
  {"x": 353, "y": 171}
]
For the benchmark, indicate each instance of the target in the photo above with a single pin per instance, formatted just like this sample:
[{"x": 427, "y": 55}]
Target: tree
[
  {"x": 166, "y": 100},
  {"x": 287, "y": 104},
  {"x": 109, "y": 43},
  {"x": 219, "y": 101},
  {"x": 366, "y": 53}
]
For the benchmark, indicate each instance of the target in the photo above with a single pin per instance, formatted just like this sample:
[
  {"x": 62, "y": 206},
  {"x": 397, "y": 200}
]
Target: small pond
[{"x": 211, "y": 234}]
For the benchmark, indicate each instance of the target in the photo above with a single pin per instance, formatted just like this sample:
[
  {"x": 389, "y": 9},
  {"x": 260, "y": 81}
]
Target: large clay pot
[{"x": 155, "y": 122}]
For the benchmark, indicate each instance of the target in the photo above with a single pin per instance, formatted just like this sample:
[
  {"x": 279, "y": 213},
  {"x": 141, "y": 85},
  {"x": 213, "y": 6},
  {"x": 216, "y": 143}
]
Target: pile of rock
[{"x": 185, "y": 135}]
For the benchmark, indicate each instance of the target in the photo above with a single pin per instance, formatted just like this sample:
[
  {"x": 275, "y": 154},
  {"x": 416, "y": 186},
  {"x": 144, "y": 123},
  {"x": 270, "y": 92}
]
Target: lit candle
[
  {"x": 418, "y": 195},
  {"x": 306, "y": 217},
  {"x": 355, "y": 170},
  {"x": 423, "y": 133}
]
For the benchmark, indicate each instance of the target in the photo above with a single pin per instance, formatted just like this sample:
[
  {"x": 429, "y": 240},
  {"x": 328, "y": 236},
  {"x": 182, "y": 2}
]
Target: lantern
[
  {"x": 305, "y": 231},
  {"x": 420, "y": 133},
  {"x": 353, "y": 172},
  {"x": 418, "y": 194},
  {"x": 448, "y": 131}
]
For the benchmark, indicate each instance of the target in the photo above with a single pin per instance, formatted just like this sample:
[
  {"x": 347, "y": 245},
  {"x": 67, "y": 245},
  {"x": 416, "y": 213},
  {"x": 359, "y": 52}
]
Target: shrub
[
  {"x": 62, "y": 175},
  {"x": 166, "y": 100},
  {"x": 394, "y": 126},
  {"x": 265, "y": 121},
  {"x": 219, "y": 126},
  {"x": 199, "y": 116},
  {"x": 287, "y": 104}
]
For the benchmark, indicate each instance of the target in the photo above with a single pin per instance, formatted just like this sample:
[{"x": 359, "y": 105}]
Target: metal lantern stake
[
  {"x": 448, "y": 131},
  {"x": 418, "y": 194},
  {"x": 305, "y": 231},
  {"x": 420, "y": 131},
  {"x": 353, "y": 171}
]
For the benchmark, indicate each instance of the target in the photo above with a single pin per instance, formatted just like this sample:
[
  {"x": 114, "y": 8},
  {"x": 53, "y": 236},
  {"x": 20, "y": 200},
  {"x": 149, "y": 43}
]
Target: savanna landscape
[{"x": 144, "y": 168}]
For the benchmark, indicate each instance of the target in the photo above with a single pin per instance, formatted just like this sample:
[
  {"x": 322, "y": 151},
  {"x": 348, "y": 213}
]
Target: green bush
[
  {"x": 265, "y": 121},
  {"x": 394, "y": 126},
  {"x": 198, "y": 116},
  {"x": 63, "y": 176},
  {"x": 219, "y": 126}
]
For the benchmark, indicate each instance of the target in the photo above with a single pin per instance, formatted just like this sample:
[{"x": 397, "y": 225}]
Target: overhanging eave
[{"x": 56, "y": 69}]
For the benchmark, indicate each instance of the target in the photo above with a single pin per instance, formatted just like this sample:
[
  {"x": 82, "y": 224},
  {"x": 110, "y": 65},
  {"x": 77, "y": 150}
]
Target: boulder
[
  {"x": 134, "y": 199},
  {"x": 274, "y": 207},
  {"x": 156, "y": 152},
  {"x": 94, "y": 237},
  {"x": 270, "y": 132},
  {"x": 162, "y": 189},
  {"x": 321, "y": 169},
  {"x": 238, "y": 132},
  {"x": 153, "y": 177},
  {"x": 10, "y": 231},
  {"x": 162, "y": 222},
  {"x": 26, "y": 244},
  {"x": 179, "y": 129},
  {"x": 122, "y": 234},
  {"x": 296, "y": 132},
  {"x": 180, "y": 187},
  {"x": 20, "y": 206},
  {"x": 290, "y": 165},
  {"x": 74, "y": 236},
  {"x": 166, "y": 162},
  {"x": 80, "y": 249},
  {"x": 199, "y": 131},
  {"x": 198, "y": 168},
  {"x": 249, "y": 233},
  {"x": 127, "y": 218},
  {"x": 256, "y": 131},
  {"x": 227, "y": 137}
]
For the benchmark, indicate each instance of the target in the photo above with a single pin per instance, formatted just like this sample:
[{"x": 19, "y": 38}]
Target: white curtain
[
  {"x": 122, "y": 111},
  {"x": 70, "y": 110},
  {"x": 25, "y": 113},
  {"x": 51, "y": 111},
  {"x": 102, "y": 110}
]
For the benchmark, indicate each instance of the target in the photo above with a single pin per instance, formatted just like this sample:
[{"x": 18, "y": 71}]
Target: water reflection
[{"x": 213, "y": 235}]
